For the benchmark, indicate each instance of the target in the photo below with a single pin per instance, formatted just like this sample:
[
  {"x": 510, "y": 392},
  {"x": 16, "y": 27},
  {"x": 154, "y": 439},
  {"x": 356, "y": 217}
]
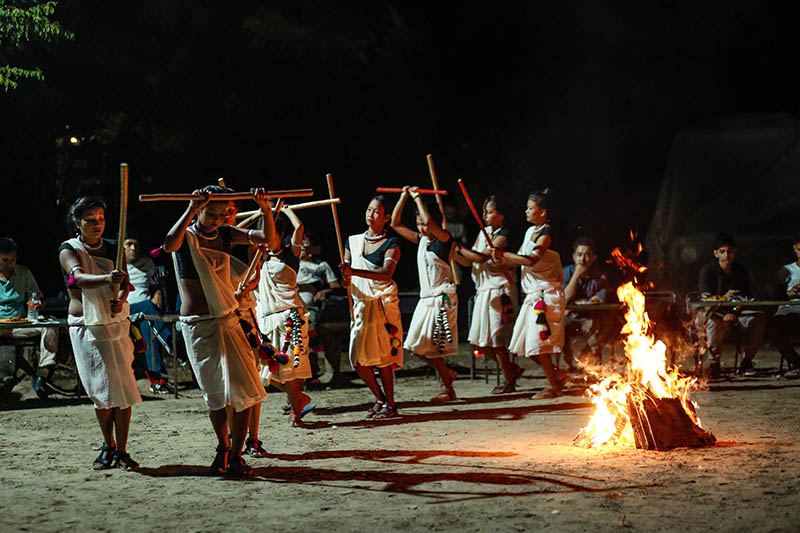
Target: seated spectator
[
  {"x": 17, "y": 284},
  {"x": 787, "y": 318},
  {"x": 730, "y": 280},
  {"x": 146, "y": 297},
  {"x": 315, "y": 281},
  {"x": 586, "y": 280}
]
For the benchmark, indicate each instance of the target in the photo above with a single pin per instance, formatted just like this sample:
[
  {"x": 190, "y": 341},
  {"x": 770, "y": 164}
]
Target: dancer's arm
[
  {"x": 174, "y": 238},
  {"x": 434, "y": 228},
  {"x": 397, "y": 219}
]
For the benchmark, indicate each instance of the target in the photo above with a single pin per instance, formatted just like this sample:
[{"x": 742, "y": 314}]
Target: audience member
[
  {"x": 725, "y": 278},
  {"x": 586, "y": 281},
  {"x": 315, "y": 281},
  {"x": 147, "y": 298},
  {"x": 787, "y": 318},
  {"x": 17, "y": 284}
]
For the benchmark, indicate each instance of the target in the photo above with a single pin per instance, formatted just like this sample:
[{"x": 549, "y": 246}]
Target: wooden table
[
  {"x": 742, "y": 303},
  {"x": 49, "y": 323}
]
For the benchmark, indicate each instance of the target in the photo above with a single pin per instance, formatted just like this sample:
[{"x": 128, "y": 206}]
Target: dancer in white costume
[
  {"x": 539, "y": 329},
  {"x": 495, "y": 298},
  {"x": 99, "y": 328},
  {"x": 281, "y": 313},
  {"x": 241, "y": 256},
  {"x": 376, "y": 332},
  {"x": 220, "y": 355},
  {"x": 433, "y": 333}
]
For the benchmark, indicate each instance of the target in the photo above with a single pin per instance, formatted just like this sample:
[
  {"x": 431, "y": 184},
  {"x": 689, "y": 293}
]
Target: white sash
[
  {"x": 97, "y": 301},
  {"x": 214, "y": 271}
]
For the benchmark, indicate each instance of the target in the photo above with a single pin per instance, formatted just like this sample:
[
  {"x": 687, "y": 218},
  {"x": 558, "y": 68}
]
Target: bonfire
[{"x": 648, "y": 406}]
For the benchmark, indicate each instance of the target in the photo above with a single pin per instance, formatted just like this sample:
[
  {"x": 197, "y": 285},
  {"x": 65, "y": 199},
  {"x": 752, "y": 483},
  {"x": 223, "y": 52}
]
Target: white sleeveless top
[{"x": 794, "y": 279}]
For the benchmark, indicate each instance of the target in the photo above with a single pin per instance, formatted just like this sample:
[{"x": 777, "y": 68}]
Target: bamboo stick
[
  {"x": 246, "y": 278},
  {"x": 420, "y": 191},
  {"x": 435, "y": 182},
  {"x": 329, "y": 178},
  {"x": 295, "y": 207},
  {"x": 256, "y": 214},
  {"x": 177, "y": 197},
  {"x": 483, "y": 228},
  {"x": 123, "y": 220}
]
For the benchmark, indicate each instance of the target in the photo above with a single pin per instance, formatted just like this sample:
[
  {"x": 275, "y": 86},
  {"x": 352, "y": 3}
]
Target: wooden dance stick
[
  {"x": 255, "y": 215},
  {"x": 246, "y": 278},
  {"x": 435, "y": 182},
  {"x": 420, "y": 191},
  {"x": 295, "y": 207},
  {"x": 182, "y": 197},
  {"x": 123, "y": 219},
  {"x": 329, "y": 178},
  {"x": 483, "y": 228}
]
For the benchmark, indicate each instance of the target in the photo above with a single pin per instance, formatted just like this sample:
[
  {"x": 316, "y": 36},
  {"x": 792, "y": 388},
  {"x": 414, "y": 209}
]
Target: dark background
[{"x": 581, "y": 97}]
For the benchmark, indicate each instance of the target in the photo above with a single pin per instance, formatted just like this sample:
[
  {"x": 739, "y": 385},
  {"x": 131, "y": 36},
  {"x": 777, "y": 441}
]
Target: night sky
[{"x": 581, "y": 97}]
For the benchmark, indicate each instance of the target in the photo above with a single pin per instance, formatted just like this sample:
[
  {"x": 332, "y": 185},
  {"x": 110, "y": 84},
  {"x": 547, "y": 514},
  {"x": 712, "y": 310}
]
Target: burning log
[
  {"x": 648, "y": 406},
  {"x": 663, "y": 424}
]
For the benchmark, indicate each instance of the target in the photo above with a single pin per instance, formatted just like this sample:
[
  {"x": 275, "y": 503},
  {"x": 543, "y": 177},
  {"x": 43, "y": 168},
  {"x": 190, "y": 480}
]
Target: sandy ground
[{"x": 484, "y": 463}]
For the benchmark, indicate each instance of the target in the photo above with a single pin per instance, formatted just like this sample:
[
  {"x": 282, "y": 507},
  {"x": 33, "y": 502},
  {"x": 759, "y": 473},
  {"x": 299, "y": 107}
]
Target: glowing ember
[{"x": 646, "y": 378}]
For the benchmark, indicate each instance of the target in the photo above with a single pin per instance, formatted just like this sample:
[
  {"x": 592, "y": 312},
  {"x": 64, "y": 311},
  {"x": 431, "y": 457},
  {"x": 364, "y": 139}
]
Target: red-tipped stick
[
  {"x": 483, "y": 228},
  {"x": 420, "y": 191}
]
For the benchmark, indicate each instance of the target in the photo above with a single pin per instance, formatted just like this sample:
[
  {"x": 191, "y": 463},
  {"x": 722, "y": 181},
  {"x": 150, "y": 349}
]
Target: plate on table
[{"x": 14, "y": 320}]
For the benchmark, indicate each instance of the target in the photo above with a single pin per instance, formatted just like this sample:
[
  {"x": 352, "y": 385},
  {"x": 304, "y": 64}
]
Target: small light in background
[{"x": 74, "y": 140}]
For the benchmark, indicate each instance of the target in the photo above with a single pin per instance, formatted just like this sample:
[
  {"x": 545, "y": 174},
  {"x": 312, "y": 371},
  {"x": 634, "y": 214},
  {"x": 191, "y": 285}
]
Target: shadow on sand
[{"x": 488, "y": 481}]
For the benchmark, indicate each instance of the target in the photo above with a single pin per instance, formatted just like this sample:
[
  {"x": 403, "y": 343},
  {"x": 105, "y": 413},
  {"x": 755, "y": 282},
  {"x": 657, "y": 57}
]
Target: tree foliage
[{"x": 23, "y": 22}]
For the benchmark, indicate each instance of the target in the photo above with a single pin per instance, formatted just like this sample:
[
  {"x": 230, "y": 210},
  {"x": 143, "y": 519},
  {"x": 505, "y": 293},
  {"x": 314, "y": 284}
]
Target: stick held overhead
[
  {"x": 420, "y": 191},
  {"x": 435, "y": 183},
  {"x": 295, "y": 207},
  {"x": 185, "y": 197}
]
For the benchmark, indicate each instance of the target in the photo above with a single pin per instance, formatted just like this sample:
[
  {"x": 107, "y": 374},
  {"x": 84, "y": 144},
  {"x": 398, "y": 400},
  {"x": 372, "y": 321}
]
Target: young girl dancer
[
  {"x": 539, "y": 330},
  {"x": 99, "y": 328},
  {"x": 376, "y": 332},
  {"x": 433, "y": 333},
  {"x": 218, "y": 350},
  {"x": 494, "y": 297},
  {"x": 282, "y": 316},
  {"x": 241, "y": 256}
]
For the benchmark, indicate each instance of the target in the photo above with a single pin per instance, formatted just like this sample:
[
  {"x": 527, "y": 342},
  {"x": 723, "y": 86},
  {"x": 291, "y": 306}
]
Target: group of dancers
[{"x": 245, "y": 326}]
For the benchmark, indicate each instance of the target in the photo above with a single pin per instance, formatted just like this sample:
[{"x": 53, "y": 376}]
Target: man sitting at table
[
  {"x": 17, "y": 284},
  {"x": 586, "y": 281},
  {"x": 787, "y": 318},
  {"x": 146, "y": 298},
  {"x": 731, "y": 281}
]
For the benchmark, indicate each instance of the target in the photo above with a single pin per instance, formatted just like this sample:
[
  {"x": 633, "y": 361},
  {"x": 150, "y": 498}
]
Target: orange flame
[{"x": 646, "y": 366}]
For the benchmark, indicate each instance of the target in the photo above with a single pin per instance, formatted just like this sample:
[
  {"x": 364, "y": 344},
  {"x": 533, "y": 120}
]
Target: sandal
[
  {"x": 388, "y": 411},
  {"x": 237, "y": 467},
  {"x": 546, "y": 394},
  {"x": 504, "y": 388},
  {"x": 446, "y": 394},
  {"x": 105, "y": 460},
  {"x": 124, "y": 461},
  {"x": 253, "y": 448},
  {"x": 375, "y": 409},
  {"x": 220, "y": 460}
]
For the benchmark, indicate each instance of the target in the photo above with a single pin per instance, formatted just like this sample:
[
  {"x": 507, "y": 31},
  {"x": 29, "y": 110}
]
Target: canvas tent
[{"x": 743, "y": 178}]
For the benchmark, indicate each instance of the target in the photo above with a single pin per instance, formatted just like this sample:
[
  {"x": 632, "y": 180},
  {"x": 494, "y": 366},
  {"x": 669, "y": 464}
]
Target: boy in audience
[
  {"x": 730, "y": 280},
  {"x": 586, "y": 281}
]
